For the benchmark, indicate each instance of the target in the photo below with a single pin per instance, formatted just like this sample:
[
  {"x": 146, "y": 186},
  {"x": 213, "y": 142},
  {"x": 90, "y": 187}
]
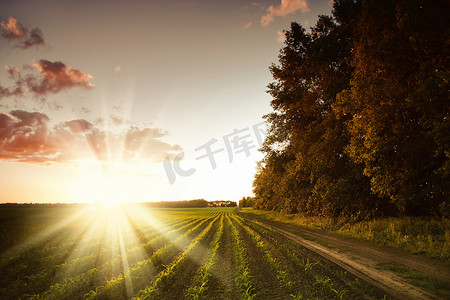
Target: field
[{"x": 86, "y": 252}]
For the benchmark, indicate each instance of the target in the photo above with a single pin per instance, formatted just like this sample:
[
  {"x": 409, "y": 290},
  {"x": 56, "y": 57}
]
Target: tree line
[
  {"x": 246, "y": 202},
  {"x": 360, "y": 122},
  {"x": 196, "y": 203}
]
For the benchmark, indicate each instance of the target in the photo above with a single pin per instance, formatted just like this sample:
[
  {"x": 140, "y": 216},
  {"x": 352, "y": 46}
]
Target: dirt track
[{"x": 362, "y": 258}]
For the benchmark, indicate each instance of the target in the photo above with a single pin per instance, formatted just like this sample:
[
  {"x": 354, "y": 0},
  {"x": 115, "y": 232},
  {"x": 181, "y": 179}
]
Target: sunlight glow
[{"x": 110, "y": 188}]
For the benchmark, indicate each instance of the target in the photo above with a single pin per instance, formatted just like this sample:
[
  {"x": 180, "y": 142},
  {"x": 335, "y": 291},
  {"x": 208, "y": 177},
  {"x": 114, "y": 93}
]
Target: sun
[{"x": 107, "y": 188}]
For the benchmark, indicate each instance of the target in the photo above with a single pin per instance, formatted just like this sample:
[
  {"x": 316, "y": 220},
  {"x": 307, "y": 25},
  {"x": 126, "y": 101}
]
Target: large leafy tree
[
  {"x": 398, "y": 102},
  {"x": 361, "y": 113},
  {"x": 306, "y": 168}
]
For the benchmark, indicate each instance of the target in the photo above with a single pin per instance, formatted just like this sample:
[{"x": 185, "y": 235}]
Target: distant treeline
[
  {"x": 12, "y": 205},
  {"x": 246, "y": 202},
  {"x": 361, "y": 120},
  {"x": 191, "y": 204},
  {"x": 162, "y": 204}
]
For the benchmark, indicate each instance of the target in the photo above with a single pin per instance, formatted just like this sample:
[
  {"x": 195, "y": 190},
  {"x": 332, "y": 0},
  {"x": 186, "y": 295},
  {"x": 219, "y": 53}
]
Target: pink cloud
[
  {"x": 56, "y": 76},
  {"x": 285, "y": 8},
  {"x": 78, "y": 126},
  {"x": 13, "y": 71},
  {"x": 119, "y": 107},
  {"x": 52, "y": 78},
  {"x": 146, "y": 144},
  {"x": 23, "y": 134},
  {"x": 247, "y": 25},
  {"x": 24, "y": 38},
  {"x": 10, "y": 92},
  {"x": 28, "y": 137},
  {"x": 13, "y": 29},
  {"x": 117, "y": 120},
  {"x": 281, "y": 36}
]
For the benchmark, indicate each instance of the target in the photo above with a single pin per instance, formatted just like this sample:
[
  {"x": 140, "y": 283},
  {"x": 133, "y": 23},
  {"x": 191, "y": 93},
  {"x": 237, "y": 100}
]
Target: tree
[
  {"x": 361, "y": 113},
  {"x": 246, "y": 202},
  {"x": 398, "y": 102},
  {"x": 306, "y": 168}
]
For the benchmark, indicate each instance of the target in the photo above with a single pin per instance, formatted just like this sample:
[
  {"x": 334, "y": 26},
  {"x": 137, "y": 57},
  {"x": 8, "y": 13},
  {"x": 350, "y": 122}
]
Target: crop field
[{"x": 80, "y": 252}]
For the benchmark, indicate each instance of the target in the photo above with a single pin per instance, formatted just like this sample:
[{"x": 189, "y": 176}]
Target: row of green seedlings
[
  {"x": 81, "y": 268},
  {"x": 38, "y": 282},
  {"x": 152, "y": 230},
  {"x": 139, "y": 275},
  {"x": 154, "y": 249},
  {"x": 243, "y": 279},
  {"x": 56, "y": 264},
  {"x": 165, "y": 277},
  {"x": 148, "y": 234},
  {"x": 28, "y": 257},
  {"x": 60, "y": 242},
  {"x": 304, "y": 264},
  {"x": 201, "y": 280},
  {"x": 39, "y": 247},
  {"x": 23, "y": 270},
  {"x": 281, "y": 275},
  {"x": 79, "y": 284},
  {"x": 96, "y": 273},
  {"x": 39, "y": 250}
]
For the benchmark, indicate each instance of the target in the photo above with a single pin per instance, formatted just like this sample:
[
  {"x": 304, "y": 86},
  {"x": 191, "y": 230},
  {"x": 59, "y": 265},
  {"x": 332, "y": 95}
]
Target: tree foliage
[
  {"x": 246, "y": 202},
  {"x": 360, "y": 122}
]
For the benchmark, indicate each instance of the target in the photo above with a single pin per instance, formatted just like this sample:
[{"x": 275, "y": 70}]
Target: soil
[
  {"x": 363, "y": 259},
  {"x": 186, "y": 273},
  {"x": 265, "y": 282},
  {"x": 222, "y": 283}
]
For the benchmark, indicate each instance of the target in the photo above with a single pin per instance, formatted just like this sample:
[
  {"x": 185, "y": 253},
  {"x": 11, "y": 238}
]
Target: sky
[{"x": 111, "y": 101}]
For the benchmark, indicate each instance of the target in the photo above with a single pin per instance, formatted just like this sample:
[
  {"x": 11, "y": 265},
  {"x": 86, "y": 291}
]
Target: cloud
[
  {"x": 9, "y": 92},
  {"x": 56, "y": 76},
  {"x": 247, "y": 25},
  {"x": 52, "y": 78},
  {"x": 28, "y": 137},
  {"x": 116, "y": 120},
  {"x": 23, "y": 38},
  {"x": 285, "y": 8},
  {"x": 35, "y": 38},
  {"x": 13, "y": 72},
  {"x": 22, "y": 134},
  {"x": 119, "y": 107},
  {"x": 145, "y": 144},
  {"x": 78, "y": 126},
  {"x": 53, "y": 105},
  {"x": 252, "y": 5},
  {"x": 281, "y": 36},
  {"x": 13, "y": 29},
  {"x": 85, "y": 110}
]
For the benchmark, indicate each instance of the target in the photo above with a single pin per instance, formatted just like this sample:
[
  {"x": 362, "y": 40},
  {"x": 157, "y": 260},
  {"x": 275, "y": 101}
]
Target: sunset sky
[{"x": 137, "y": 100}]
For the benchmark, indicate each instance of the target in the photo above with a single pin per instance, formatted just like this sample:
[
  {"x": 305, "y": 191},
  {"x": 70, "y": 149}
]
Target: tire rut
[{"x": 355, "y": 260}]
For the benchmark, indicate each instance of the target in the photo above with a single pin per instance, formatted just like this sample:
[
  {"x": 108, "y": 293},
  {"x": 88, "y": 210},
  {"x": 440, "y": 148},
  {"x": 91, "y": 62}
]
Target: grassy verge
[
  {"x": 427, "y": 236},
  {"x": 414, "y": 277}
]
